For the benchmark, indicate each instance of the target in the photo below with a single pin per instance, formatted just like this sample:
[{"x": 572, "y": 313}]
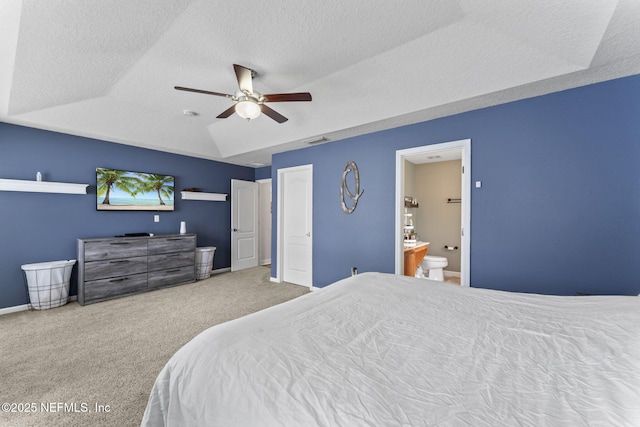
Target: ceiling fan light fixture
[
  {"x": 249, "y": 104},
  {"x": 248, "y": 109}
]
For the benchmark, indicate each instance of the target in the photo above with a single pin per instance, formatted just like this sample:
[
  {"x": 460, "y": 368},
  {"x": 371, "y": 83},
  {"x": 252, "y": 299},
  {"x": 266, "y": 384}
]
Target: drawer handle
[
  {"x": 174, "y": 238},
  {"x": 119, "y": 262},
  {"x": 119, "y": 243},
  {"x": 121, "y": 279},
  {"x": 173, "y": 271}
]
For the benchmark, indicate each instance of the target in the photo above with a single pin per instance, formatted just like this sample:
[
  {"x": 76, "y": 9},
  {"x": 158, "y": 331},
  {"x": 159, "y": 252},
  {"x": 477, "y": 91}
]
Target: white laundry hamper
[
  {"x": 48, "y": 283},
  {"x": 204, "y": 262}
]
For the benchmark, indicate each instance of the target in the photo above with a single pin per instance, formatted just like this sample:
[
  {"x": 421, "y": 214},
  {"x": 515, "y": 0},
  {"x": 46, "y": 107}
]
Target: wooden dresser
[{"x": 117, "y": 266}]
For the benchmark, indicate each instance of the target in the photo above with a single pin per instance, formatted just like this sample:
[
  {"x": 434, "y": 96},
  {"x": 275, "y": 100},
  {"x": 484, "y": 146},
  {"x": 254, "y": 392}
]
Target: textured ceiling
[{"x": 107, "y": 69}]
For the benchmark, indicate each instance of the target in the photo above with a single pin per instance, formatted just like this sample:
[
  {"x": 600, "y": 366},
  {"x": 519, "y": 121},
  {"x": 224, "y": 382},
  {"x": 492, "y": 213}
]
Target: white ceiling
[{"x": 107, "y": 69}]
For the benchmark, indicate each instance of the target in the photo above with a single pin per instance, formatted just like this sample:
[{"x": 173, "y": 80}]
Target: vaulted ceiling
[{"x": 107, "y": 69}]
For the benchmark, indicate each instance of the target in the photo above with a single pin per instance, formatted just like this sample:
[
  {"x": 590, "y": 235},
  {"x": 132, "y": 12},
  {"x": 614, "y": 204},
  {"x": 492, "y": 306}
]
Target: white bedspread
[{"x": 384, "y": 350}]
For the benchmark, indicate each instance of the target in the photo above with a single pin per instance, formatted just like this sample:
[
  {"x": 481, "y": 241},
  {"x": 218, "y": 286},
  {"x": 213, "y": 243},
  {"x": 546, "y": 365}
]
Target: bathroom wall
[
  {"x": 410, "y": 179},
  {"x": 437, "y": 221},
  {"x": 409, "y": 191}
]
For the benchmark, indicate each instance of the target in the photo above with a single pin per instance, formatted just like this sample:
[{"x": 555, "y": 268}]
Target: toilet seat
[{"x": 436, "y": 261}]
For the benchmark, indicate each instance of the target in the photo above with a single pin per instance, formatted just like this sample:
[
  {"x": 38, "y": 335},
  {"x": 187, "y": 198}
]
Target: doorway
[
  {"x": 460, "y": 149},
  {"x": 264, "y": 221}
]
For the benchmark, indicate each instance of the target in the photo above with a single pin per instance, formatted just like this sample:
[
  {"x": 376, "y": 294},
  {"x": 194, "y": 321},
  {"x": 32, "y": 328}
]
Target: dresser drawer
[
  {"x": 164, "y": 245},
  {"x": 168, "y": 261},
  {"x": 94, "y": 270},
  {"x": 173, "y": 276},
  {"x": 114, "y": 286},
  {"x": 119, "y": 248}
]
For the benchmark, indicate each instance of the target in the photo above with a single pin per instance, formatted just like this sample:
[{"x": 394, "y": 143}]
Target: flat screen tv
[{"x": 120, "y": 190}]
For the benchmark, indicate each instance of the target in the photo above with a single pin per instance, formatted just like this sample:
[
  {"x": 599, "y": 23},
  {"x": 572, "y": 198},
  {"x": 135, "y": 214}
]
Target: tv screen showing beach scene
[{"x": 120, "y": 190}]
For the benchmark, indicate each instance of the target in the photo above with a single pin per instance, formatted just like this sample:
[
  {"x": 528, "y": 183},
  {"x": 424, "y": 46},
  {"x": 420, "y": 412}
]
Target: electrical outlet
[
  {"x": 156, "y": 218},
  {"x": 354, "y": 271}
]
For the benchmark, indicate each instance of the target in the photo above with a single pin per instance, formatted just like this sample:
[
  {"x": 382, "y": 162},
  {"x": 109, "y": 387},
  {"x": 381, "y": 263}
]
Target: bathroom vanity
[
  {"x": 413, "y": 255},
  {"x": 114, "y": 267}
]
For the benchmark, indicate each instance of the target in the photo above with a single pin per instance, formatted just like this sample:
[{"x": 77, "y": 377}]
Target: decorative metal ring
[{"x": 350, "y": 167}]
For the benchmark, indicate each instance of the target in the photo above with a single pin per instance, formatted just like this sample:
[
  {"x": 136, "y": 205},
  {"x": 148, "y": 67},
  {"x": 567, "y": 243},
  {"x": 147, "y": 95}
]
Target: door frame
[
  {"x": 401, "y": 155},
  {"x": 264, "y": 220},
  {"x": 280, "y": 218}
]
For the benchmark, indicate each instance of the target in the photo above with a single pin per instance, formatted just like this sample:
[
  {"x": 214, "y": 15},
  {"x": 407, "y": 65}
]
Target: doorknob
[
  {"x": 235, "y": 230},
  {"x": 308, "y": 234}
]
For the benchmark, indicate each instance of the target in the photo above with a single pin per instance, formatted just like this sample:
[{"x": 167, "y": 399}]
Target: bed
[{"x": 384, "y": 350}]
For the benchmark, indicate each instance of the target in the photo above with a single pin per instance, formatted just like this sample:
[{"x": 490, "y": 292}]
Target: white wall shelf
[
  {"x": 197, "y": 195},
  {"x": 42, "y": 186}
]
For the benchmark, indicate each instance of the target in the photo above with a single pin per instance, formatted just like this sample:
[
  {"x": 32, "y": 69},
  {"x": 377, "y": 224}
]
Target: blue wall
[
  {"x": 39, "y": 227},
  {"x": 263, "y": 173},
  {"x": 559, "y": 207}
]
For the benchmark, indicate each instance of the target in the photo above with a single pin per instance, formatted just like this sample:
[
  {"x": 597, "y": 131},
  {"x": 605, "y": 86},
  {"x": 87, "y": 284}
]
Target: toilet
[{"x": 434, "y": 264}]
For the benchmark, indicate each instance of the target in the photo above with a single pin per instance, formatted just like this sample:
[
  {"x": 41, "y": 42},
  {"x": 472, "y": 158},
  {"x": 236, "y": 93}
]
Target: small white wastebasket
[
  {"x": 204, "y": 262},
  {"x": 48, "y": 283}
]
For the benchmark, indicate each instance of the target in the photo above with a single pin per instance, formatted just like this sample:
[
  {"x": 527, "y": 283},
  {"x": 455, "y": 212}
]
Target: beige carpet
[{"x": 61, "y": 363}]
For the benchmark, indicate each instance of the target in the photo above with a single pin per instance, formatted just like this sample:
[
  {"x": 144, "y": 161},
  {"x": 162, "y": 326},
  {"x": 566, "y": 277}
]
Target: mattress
[{"x": 385, "y": 350}]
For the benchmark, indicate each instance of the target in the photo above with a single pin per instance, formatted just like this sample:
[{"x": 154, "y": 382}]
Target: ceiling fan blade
[
  {"x": 226, "y": 113},
  {"x": 287, "y": 97},
  {"x": 245, "y": 78},
  {"x": 273, "y": 114},
  {"x": 206, "y": 92}
]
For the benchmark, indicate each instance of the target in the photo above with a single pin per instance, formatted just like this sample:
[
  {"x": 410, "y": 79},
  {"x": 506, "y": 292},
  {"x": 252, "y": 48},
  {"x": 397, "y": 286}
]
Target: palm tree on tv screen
[
  {"x": 161, "y": 184},
  {"x": 108, "y": 178}
]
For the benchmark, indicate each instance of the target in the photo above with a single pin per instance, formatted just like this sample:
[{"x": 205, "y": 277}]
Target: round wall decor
[{"x": 344, "y": 188}]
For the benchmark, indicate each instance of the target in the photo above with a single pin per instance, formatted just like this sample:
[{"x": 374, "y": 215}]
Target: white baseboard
[
  {"x": 451, "y": 273},
  {"x": 265, "y": 261},
  {"x": 220, "y": 270},
  {"x": 25, "y": 307},
  {"x": 275, "y": 280},
  {"x": 14, "y": 309}
]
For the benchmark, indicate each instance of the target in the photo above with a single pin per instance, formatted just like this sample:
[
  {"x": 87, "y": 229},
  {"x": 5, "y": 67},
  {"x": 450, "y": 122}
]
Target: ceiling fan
[{"x": 249, "y": 103}]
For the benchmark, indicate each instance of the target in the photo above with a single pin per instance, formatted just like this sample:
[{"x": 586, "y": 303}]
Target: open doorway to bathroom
[{"x": 430, "y": 173}]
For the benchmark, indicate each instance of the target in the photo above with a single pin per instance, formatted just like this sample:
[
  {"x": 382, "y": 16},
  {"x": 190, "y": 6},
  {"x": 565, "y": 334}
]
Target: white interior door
[
  {"x": 295, "y": 194},
  {"x": 244, "y": 224}
]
